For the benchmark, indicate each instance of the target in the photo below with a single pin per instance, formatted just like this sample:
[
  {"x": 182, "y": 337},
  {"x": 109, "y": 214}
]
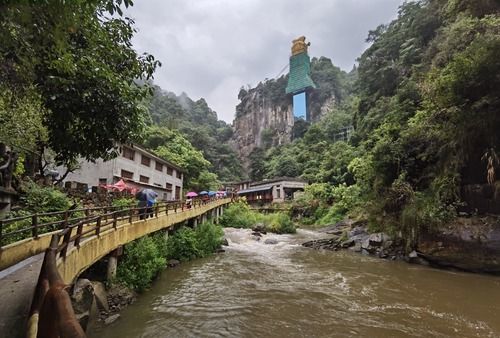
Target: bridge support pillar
[{"x": 113, "y": 263}]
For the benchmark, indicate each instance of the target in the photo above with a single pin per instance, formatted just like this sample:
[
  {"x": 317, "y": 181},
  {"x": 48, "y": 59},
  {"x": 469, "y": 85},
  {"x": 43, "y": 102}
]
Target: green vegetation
[
  {"x": 146, "y": 257},
  {"x": 239, "y": 215},
  {"x": 37, "y": 199},
  {"x": 196, "y": 141},
  {"x": 424, "y": 107},
  {"x": 69, "y": 77}
]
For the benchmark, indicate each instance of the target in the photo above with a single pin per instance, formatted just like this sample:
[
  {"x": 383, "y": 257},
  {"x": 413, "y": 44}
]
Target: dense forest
[
  {"x": 189, "y": 134},
  {"x": 424, "y": 106}
]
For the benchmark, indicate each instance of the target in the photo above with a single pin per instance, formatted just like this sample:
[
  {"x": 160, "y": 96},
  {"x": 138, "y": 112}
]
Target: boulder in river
[
  {"x": 172, "y": 263},
  {"x": 271, "y": 241}
]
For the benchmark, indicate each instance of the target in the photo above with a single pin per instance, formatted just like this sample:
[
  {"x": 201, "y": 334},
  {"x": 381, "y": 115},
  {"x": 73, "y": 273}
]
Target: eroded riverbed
[{"x": 285, "y": 290}]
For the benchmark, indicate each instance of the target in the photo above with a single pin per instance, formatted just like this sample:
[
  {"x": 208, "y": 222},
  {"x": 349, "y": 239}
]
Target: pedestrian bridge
[{"x": 79, "y": 245}]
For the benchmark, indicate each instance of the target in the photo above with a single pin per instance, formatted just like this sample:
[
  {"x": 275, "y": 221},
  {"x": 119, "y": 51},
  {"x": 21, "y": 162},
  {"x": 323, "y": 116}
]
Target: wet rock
[
  {"x": 271, "y": 241},
  {"x": 357, "y": 231},
  {"x": 225, "y": 242},
  {"x": 356, "y": 247},
  {"x": 258, "y": 234},
  {"x": 377, "y": 239},
  {"x": 100, "y": 296},
  {"x": 347, "y": 243},
  {"x": 82, "y": 299},
  {"x": 220, "y": 250},
  {"x": 259, "y": 227},
  {"x": 172, "y": 263},
  {"x": 111, "y": 319},
  {"x": 325, "y": 244}
]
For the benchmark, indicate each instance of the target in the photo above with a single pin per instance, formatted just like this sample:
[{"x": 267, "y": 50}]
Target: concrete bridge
[{"x": 78, "y": 245}]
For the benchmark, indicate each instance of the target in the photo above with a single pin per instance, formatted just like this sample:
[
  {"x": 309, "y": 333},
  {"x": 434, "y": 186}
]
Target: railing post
[
  {"x": 66, "y": 239},
  {"x": 79, "y": 231},
  {"x": 65, "y": 222},
  {"x": 34, "y": 226},
  {"x": 156, "y": 210},
  {"x": 98, "y": 226},
  {"x": 166, "y": 209},
  {"x": 131, "y": 215},
  {"x": 175, "y": 207},
  {"x": 114, "y": 220},
  {"x": 1, "y": 232}
]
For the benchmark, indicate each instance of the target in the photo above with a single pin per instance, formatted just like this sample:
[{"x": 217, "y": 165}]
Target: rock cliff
[{"x": 264, "y": 117}]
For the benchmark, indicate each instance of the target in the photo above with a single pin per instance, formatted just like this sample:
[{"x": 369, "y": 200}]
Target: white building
[
  {"x": 277, "y": 190},
  {"x": 136, "y": 166}
]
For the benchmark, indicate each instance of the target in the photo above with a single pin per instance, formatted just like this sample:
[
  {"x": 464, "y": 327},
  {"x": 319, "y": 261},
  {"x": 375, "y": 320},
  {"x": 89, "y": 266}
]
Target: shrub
[
  {"x": 124, "y": 203},
  {"x": 209, "y": 237},
  {"x": 238, "y": 215},
  {"x": 183, "y": 245},
  {"x": 279, "y": 223},
  {"x": 143, "y": 260}
]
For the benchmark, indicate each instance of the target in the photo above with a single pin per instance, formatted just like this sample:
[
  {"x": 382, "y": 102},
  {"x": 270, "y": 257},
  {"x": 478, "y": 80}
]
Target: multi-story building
[{"x": 136, "y": 166}]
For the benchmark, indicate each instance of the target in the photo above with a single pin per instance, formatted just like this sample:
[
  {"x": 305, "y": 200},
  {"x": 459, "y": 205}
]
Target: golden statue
[{"x": 300, "y": 45}]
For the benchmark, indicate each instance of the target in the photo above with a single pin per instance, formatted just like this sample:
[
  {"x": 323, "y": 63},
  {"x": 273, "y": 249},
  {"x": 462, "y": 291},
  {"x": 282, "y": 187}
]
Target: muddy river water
[{"x": 285, "y": 290}]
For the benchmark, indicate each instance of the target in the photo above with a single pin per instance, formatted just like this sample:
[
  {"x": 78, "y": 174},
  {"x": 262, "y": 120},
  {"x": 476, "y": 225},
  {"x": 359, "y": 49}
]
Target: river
[{"x": 285, "y": 290}]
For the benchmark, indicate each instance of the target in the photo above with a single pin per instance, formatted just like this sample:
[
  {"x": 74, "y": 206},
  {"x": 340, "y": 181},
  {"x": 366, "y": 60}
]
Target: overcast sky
[{"x": 210, "y": 48}]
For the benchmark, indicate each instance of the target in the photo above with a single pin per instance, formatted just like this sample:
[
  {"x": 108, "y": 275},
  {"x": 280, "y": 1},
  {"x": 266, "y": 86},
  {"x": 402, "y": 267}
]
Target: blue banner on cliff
[{"x": 299, "y": 105}]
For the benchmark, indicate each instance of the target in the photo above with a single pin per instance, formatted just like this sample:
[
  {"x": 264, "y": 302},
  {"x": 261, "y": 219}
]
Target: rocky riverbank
[{"x": 468, "y": 244}]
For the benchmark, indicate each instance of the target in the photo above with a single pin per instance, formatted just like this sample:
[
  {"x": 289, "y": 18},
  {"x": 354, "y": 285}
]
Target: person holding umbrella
[{"x": 147, "y": 199}]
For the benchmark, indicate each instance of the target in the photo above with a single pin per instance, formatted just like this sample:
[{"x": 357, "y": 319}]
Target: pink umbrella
[{"x": 191, "y": 194}]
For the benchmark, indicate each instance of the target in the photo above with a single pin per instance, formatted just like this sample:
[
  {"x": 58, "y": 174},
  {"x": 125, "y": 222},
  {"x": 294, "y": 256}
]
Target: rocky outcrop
[
  {"x": 355, "y": 237},
  {"x": 468, "y": 244},
  {"x": 264, "y": 117}
]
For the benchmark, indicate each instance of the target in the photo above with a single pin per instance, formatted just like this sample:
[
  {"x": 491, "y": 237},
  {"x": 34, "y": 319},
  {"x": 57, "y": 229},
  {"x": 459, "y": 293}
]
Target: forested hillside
[
  {"x": 188, "y": 133},
  {"x": 425, "y": 108}
]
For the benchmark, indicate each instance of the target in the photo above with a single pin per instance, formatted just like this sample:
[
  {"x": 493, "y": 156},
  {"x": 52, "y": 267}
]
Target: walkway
[{"x": 83, "y": 243}]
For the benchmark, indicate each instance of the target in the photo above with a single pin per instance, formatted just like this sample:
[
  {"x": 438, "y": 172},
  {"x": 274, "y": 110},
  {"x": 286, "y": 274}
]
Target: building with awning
[{"x": 276, "y": 190}]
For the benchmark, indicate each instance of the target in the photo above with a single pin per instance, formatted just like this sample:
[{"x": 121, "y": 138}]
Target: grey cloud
[{"x": 210, "y": 48}]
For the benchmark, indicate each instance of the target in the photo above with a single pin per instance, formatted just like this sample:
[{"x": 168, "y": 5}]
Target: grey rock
[
  {"x": 112, "y": 319},
  {"x": 271, "y": 241},
  {"x": 357, "y": 231},
  {"x": 172, "y": 263},
  {"x": 82, "y": 296},
  {"x": 225, "y": 242},
  {"x": 377, "y": 239},
  {"x": 348, "y": 243},
  {"x": 101, "y": 296},
  {"x": 258, "y": 234},
  {"x": 356, "y": 247}
]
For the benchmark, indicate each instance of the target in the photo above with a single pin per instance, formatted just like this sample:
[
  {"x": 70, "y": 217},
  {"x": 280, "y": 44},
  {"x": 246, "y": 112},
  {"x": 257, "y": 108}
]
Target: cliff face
[{"x": 264, "y": 118}]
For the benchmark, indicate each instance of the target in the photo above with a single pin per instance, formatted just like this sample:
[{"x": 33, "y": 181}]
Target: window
[
  {"x": 278, "y": 193},
  {"x": 127, "y": 174},
  {"x": 170, "y": 171},
  {"x": 168, "y": 186},
  {"x": 145, "y": 160},
  {"x": 158, "y": 166},
  {"x": 128, "y": 153},
  {"x": 178, "y": 174},
  {"x": 143, "y": 179},
  {"x": 178, "y": 193},
  {"x": 103, "y": 181}
]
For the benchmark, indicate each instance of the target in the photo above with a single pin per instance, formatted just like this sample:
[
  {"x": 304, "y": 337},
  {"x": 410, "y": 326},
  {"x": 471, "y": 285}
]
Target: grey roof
[{"x": 260, "y": 188}]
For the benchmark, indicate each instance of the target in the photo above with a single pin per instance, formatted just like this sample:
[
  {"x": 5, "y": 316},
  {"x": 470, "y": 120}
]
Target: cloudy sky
[{"x": 210, "y": 48}]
